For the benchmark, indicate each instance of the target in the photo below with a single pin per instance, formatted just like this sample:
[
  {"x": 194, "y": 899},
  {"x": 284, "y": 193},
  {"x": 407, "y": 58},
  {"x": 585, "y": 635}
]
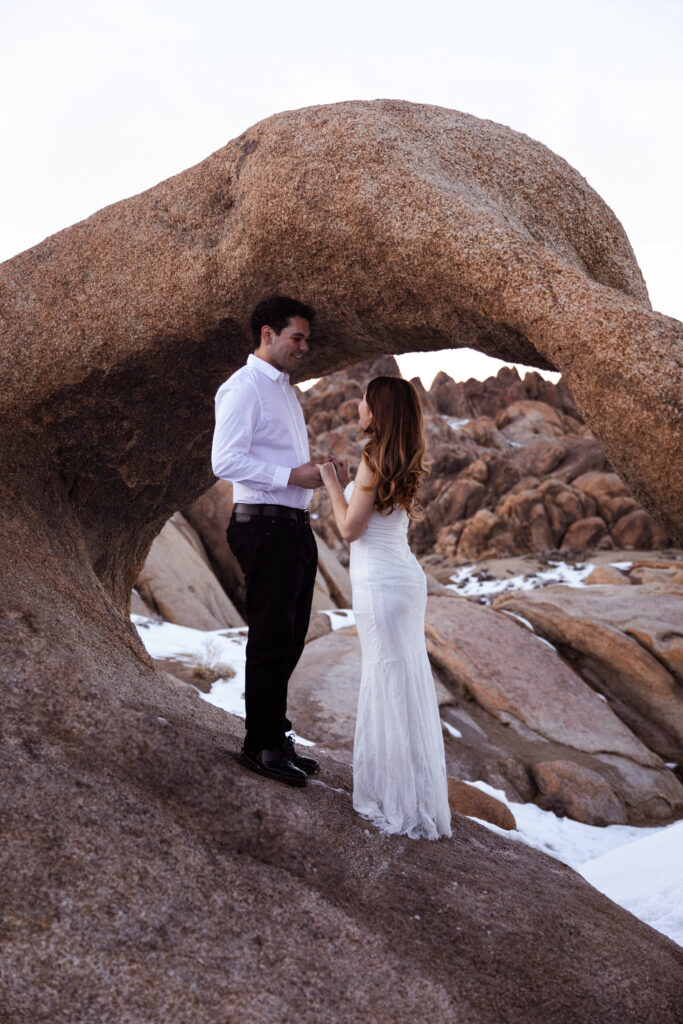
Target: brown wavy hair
[{"x": 395, "y": 453}]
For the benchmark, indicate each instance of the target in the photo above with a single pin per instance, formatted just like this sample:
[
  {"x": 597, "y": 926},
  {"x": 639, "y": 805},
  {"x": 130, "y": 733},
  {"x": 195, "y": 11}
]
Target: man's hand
[{"x": 306, "y": 476}]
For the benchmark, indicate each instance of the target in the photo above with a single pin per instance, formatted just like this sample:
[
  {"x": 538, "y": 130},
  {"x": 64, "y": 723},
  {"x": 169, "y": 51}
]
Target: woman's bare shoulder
[{"x": 364, "y": 475}]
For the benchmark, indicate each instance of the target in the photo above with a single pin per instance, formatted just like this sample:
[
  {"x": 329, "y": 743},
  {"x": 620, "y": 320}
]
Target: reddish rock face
[
  {"x": 475, "y": 804},
  {"x": 628, "y": 640},
  {"x": 583, "y": 794}
]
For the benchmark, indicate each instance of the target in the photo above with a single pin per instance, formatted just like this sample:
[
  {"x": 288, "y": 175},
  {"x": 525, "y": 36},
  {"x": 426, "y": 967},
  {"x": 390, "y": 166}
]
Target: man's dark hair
[{"x": 275, "y": 312}]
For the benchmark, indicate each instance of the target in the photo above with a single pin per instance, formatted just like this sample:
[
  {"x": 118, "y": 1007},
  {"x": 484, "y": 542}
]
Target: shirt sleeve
[{"x": 237, "y": 410}]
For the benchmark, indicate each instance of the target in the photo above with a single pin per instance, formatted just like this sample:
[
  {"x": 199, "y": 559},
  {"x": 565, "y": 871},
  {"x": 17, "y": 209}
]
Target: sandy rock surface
[
  {"x": 521, "y": 680},
  {"x": 335, "y": 575},
  {"x": 209, "y": 515},
  {"x": 319, "y": 625},
  {"x": 153, "y": 878},
  {"x": 526, "y": 706}
]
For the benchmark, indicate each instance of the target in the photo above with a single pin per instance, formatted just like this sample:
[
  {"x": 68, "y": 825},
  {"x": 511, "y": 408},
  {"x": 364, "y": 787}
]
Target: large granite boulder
[
  {"x": 209, "y": 515},
  {"x": 627, "y": 642},
  {"x": 117, "y": 330},
  {"x": 527, "y": 708},
  {"x": 178, "y": 583},
  {"x": 153, "y": 879}
]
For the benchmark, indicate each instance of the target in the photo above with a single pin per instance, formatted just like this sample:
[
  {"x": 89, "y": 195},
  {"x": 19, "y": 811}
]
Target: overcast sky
[{"x": 103, "y": 100}]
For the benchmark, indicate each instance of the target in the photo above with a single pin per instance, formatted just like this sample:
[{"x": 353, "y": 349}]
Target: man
[{"x": 261, "y": 444}]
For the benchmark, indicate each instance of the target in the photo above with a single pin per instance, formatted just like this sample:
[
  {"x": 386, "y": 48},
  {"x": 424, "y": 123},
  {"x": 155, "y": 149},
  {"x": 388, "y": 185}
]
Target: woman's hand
[
  {"x": 328, "y": 473},
  {"x": 342, "y": 467}
]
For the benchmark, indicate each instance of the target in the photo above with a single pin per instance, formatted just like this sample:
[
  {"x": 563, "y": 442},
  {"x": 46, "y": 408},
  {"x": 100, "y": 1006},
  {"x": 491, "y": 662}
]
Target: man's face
[{"x": 286, "y": 349}]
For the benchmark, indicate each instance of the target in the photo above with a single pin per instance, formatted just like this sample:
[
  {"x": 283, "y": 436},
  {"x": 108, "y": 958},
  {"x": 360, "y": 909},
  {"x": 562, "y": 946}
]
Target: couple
[{"x": 260, "y": 443}]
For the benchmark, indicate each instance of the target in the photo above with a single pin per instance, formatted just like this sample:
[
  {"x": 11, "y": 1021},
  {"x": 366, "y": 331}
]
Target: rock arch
[{"x": 408, "y": 226}]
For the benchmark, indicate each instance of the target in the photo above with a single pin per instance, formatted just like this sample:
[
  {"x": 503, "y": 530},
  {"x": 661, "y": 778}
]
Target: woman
[{"x": 399, "y": 769}]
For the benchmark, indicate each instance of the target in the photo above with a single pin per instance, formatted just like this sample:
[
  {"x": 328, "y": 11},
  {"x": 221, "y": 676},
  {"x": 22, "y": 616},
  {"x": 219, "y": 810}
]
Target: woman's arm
[{"x": 351, "y": 519}]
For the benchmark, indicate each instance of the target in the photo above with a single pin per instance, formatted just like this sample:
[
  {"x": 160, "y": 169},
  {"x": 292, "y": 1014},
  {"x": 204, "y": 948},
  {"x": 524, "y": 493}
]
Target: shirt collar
[{"x": 270, "y": 371}]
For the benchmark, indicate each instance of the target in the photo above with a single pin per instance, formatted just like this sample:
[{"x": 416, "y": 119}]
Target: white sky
[{"x": 103, "y": 100}]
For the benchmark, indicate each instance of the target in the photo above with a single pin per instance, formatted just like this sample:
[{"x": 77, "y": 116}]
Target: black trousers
[{"x": 279, "y": 559}]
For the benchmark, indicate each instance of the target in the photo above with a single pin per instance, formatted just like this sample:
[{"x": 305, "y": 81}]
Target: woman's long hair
[{"x": 395, "y": 453}]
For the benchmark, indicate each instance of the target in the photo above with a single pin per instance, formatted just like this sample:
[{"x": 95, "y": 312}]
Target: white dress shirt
[{"x": 260, "y": 436}]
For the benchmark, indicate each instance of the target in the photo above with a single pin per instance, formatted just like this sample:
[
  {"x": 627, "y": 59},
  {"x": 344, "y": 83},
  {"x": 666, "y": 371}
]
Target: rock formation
[
  {"x": 629, "y": 642},
  {"x": 146, "y": 873},
  {"x": 532, "y": 478},
  {"x": 177, "y": 581}
]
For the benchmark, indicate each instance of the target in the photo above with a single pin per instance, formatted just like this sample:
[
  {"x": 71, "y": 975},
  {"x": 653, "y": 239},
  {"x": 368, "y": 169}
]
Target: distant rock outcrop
[{"x": 533, "y": 478}]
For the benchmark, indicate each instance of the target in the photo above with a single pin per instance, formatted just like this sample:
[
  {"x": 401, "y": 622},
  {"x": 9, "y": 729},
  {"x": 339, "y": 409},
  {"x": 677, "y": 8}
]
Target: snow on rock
[
  {"x": 641, "y": 869},
  {"x": 466, "y": 583},
  {"x": 646, "y": 878},
  {"x": 210, "y": 648},
  {"x": 339, "y": 617}
]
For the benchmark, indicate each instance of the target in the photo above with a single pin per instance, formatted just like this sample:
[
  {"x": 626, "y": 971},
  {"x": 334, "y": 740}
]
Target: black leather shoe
[
  {"x": 306, "y": 764},
  {"x": 274, "y": 765}
]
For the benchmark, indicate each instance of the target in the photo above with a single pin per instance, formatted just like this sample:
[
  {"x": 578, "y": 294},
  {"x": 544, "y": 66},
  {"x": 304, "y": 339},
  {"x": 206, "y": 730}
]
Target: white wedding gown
[{"x": 399, "y": 767}]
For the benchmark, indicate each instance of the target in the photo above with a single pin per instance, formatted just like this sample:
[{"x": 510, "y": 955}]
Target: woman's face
[{"x": 364, "y": 414}]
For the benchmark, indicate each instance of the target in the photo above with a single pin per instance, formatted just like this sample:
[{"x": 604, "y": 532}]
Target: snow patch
[
  {"x": 339, "y": 617},
  {"x": 638, "y": 868},
  {"x": 166, "y": 641},
  {"x": 646, "y": 878},
  {"x": 465, "y": 581}
]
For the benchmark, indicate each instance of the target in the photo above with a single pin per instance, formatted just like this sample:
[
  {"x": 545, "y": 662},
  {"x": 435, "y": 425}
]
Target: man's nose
[{"x": 303, "y": 345}]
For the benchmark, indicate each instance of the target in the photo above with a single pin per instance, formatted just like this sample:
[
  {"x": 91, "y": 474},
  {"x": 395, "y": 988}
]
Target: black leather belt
[{"x": 241, "y": 508}]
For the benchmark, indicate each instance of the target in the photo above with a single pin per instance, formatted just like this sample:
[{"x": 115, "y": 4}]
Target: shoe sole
[{"x": 253, "y": 766}]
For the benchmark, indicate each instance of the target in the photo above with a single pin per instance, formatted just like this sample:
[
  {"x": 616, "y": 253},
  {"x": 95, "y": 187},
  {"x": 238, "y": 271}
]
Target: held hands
[
  {"x": 313, "y": 474},
  {"x": 307, "y": 475}
]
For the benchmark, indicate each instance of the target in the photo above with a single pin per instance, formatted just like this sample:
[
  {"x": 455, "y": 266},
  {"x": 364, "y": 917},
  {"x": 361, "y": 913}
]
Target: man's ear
[{"x": 266, "y": 334}]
